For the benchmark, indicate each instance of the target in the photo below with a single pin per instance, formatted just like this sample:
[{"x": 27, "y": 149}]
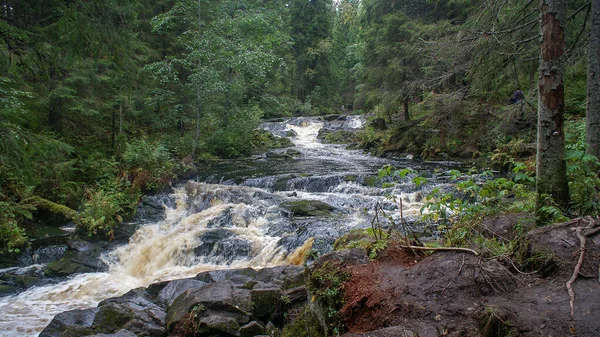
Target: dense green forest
[{"x": 101, "y": 101}]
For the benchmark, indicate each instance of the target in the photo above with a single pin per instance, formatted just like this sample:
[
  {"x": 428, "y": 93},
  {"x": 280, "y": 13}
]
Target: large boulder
[
  {"x": 218, "y": 296},
  {"x": 265, "y": 297},
  {"x": 169, "y": 293},
  {"x": 72, "y": 323}
]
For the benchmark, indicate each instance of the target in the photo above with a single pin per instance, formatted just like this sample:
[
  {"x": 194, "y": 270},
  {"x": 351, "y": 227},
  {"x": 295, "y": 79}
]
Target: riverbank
[{"x": 400, "y": 293}]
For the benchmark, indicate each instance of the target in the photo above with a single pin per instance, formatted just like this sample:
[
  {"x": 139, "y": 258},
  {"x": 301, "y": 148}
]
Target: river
[{"x": 232, "y": 216}]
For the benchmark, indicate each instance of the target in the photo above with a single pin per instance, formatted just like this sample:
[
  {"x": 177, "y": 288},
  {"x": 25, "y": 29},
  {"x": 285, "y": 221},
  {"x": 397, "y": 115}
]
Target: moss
[
  {"x": 55, "y": 208},
  {"x": 339, "y": 137},
  {"x": 21, "y": 280},
  {"x": 325, "y": 284},
  {"x": 350, "y": 177},
  {"x": 356, "y": 238},
  {"x": 308, "y": 208},
  {"x": 304, "y": 324},
  {"x": 262, "y": 139},
  {"x": 369, "y": 181},
  {"x": 5, "y": 289},
  {"x": 112, "y": 317}
]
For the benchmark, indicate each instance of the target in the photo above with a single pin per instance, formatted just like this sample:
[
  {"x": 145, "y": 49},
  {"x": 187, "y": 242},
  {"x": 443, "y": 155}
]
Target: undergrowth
[{"x": 325, "y": 284}]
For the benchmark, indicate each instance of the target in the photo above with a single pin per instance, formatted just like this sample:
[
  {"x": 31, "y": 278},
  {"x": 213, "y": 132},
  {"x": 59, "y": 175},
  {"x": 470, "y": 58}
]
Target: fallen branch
[
  {"x": 570, "y": 282},
  {"x": 447, "y": 249}
]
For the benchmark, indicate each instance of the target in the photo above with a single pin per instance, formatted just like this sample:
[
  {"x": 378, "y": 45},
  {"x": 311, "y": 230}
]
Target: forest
[{"x": 104, "y": 101}]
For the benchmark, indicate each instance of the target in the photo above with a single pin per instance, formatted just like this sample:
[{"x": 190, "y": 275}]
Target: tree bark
[
  {"x": 551, "y": 167},
  {"x": 406, "y": 111},
  {"x": 593, "y": 84}
]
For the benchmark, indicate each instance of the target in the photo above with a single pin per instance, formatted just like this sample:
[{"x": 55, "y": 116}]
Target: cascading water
[{"x": 232, "y": 216}]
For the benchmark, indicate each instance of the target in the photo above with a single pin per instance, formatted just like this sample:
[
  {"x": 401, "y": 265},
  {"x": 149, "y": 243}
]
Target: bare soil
[{"x": 458, "y": 294}]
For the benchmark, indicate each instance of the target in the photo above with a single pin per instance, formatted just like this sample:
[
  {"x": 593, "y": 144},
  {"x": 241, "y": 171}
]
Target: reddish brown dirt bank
[{"x": 457, "y": 294}]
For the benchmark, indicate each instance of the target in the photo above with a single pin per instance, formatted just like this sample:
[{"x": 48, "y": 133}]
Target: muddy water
[{"x": 232, "y": 216}]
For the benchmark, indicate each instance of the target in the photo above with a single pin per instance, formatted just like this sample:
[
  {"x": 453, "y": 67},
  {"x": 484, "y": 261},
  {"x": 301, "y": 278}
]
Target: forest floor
[{"x": 459, "y": 294}]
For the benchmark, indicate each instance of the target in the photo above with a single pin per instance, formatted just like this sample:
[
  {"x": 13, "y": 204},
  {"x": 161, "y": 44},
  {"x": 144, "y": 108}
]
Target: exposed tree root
[
  {"x": 570, "y": 282},
  {"x": 451, "y": 249},
  {"x": 590, "y": 230}
]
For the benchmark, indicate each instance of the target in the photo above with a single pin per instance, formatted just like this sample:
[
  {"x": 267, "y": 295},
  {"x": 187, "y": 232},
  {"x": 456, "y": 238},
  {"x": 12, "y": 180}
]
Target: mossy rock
[
  {"x": 6, "y": 289},
  {"x": 24, "y": 281},
  {"x": 219, "y": 325},
  {"x": 308, "y": 208},
  {"x": 112, "y": 317},
  {"x": 69, "y": 264},
  {"x": 264, "y": 299},
  {"x": 370, "y": 181},
  {"x": 356, "y": 238},
  {"x": 305, "y": 324},
  {"x": 350, "y": 177},
  {"x": 293, "y": 153}
]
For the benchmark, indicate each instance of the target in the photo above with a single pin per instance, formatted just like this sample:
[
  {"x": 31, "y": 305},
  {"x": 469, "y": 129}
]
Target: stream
[{"x": 239, "y": 214}]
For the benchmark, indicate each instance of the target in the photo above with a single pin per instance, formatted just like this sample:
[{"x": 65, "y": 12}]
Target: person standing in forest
[{"x": 517, "y": 96}]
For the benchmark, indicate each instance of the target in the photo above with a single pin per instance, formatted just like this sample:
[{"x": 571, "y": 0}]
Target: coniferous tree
[
  {"x": 551, "y": 176},
  {"x": 593, "y": 84}
]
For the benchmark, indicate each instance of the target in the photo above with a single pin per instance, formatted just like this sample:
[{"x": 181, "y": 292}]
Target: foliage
[
  {"x": 365, "y": 239},
  {"x": 325, "y": 284},
  {"x": 147, "y": 164}
]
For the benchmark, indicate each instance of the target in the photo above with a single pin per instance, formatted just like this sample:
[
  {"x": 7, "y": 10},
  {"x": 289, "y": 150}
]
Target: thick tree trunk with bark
[
  {"x": 551, "y": 167},
  {"x": 593, "y": 84}
]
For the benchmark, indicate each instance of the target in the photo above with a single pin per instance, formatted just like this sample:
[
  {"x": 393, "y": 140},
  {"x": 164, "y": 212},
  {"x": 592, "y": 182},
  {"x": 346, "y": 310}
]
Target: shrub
[{"x": 147, "y": 164}]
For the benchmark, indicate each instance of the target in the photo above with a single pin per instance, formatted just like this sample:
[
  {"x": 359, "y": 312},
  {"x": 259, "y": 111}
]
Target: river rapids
[{"x": 231, "y": 216}]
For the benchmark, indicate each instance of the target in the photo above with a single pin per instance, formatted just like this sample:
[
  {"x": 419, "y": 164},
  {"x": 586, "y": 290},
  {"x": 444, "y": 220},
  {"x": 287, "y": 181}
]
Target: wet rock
[
  {"x": 238, "y": 277},
  {"x": 218, "y": 324},
  {"x": 217, "y": 296},
  {"x": 72, "y": 263},
  {"x": 175, "y": 288},
  {"x": 70, "y": 323},
  {"x": 293, "y": 153},
  {"x": 285, "y": 276},
  {"x": 120, "y": 333},
  {"x": 220, "y": 247},
  {"x": 278, "y": 155},
  {"x": 7, "y": 289},
  {"x": 23, "y": 281},
  {"x": 265, "y": 297},
  {"x": 134, "y": 311},
  {"x": 252, "y": 329},
  {"x": 111, "y": 317},
  {"x": 308, "y": 208},
  {"x": 152, "y": 208}
]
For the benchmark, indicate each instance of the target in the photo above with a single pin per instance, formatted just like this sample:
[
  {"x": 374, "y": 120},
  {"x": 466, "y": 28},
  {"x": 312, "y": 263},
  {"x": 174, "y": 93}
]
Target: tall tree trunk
[
  {"x": 120, "y": 118},
  {"x": 406, "y": 111},
  {"x": 593, "y": 84},
  {"x": 551, "y": 167},
  {"x": 55, "y": 115}
]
